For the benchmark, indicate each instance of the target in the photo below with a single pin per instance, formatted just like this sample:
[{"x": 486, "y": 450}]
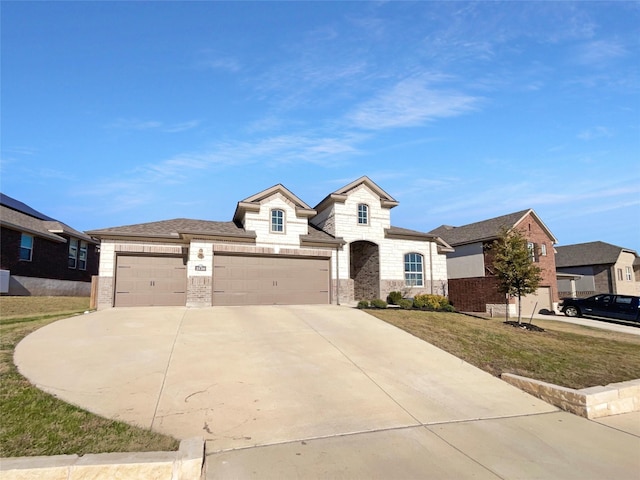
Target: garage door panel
[
  {"x": 264, "y": 280},
  {"x": 150, "y": 281}
]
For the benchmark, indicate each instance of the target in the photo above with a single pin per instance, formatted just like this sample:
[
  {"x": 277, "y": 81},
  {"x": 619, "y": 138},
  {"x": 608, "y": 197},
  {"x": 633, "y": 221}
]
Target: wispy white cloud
[
  {"x": 600, "y": 52},
  {"x": 409, "y": 103},
  {"x": 133, "y": 124},
  {"x": 595, "y": 132}
]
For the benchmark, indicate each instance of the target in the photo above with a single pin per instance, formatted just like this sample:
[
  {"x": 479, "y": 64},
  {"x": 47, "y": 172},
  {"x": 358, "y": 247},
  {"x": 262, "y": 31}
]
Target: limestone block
[
  {"x": 117, "y": 466},
  {"x": 37, "y": 468},
  {"x": 189, "y": 459}
]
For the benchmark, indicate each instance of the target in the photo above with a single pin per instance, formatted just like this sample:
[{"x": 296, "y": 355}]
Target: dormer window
[
  {"x": 363, "y": 214},
  {"x": 277, "y": 221}
]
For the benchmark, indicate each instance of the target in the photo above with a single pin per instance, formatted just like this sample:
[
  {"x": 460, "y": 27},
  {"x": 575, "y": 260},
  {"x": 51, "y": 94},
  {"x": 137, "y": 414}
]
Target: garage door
[
  {"x": 535, "y": 302},
  {"x": 255, "y": 280},
  {"x": 150, "y": 281}
]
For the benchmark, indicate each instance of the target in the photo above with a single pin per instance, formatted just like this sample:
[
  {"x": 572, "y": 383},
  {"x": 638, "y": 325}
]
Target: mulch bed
[{"x": 526, "y": 326}]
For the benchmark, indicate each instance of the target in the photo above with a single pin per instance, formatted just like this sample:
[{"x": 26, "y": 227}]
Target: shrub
[
  {"x": 405, "y": 304},
  {"x": 394, "y": 298},
  {"x": 378, "y": 303},
  {"x": 432, "y": 302},
  {"x": 363, "y": 304}
]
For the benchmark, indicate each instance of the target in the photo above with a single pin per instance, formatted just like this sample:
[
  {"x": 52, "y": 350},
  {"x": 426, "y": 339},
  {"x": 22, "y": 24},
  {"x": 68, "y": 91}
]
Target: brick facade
[{"x": 49, "y": 259}]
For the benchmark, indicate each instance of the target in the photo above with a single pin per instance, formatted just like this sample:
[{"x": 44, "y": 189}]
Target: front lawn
[
  {"x": 33, "y": 422},
  {"x": 568, "y": 355}
]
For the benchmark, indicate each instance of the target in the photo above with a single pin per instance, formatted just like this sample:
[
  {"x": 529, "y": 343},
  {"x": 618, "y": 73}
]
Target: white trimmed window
[
  {"x": 73, "y": 252},
  {"x": 619, "y": 272},
  {"x": 82, "y": 260},
  {"x": 543, "y": 250},
  {"x": 26, "y": 247},
  {"x": 532, "y": 251},
  {"x": 413, "y": 270},
  {"x": 628, "y": 273},
  {"x": 277, "y": 221},
  {"x": 363, "y": 214}
]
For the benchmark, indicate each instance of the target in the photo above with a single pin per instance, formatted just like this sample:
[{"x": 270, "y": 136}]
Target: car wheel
[{"x": 572, "y": 312}]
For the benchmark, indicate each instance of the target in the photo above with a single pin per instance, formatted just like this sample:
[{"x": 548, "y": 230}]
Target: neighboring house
[
  {"x": 598, "y": 267},
  {"x": 276, "y": 250},
  {"x": 43, "y": 256},
  {"x": 473, "y": 286}
]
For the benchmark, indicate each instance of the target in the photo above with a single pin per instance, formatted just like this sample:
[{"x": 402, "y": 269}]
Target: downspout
[
  {"x": 337, "y": 275},
  {"x": 431, "y": 266}
]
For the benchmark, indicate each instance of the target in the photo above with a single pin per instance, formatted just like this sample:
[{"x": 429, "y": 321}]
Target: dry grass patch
[
  {"x": 36, "y": 423},
  {"x": 567, "y": 355}
]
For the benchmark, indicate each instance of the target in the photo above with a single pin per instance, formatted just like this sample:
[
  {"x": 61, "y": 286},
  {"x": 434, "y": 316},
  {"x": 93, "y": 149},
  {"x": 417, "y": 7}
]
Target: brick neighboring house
[
  {"x": 41, "y": 255},
  {"x": 598, "y": 267},
  {"x": 276, "y": 250},
  {"x": 472, "y": 282}
]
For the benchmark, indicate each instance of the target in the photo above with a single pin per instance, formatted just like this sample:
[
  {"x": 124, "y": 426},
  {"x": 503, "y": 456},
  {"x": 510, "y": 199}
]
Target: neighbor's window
[
  {"x": 73, "y": 252},
  {"x": 619, "y": 272},
  {"x": 543, "y": 250},
  {"x": 413, "y": 273},
  {"x": 26, "y": 247},
  {"x": 532, "y": 251},
  {"x": 82, "y": 260},
  {"x": 628, "y": 273},
  {"x": 277, "y": 221},
  {"x": 363, "y": 214}
]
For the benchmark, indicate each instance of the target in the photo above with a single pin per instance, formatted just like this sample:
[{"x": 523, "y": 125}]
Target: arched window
[
  {"x": 363, "y": 214},
  {"x": 413, "y": 270},
  {"x": 277, "y": 221}
]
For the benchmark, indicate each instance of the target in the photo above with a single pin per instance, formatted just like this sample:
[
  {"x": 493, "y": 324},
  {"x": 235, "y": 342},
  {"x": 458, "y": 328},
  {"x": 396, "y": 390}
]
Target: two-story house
[
  {"x": 472, "y": 281},
  {"x": 41, "y": 255},
  {"x": 275, "y": 250},
  {"x": 598, "y": 267}
]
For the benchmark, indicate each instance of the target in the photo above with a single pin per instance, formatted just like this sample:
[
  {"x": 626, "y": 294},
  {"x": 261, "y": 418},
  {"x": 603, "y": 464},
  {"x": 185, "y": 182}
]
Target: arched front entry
[{"x": 364, "y": 270}]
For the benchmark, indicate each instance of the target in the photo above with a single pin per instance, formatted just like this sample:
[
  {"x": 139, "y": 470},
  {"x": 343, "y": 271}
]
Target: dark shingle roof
[
  {"x": 27, "y": 223},
  {"x": 478, "y": 231},
  {"x": 590, "y": 253},
  {"x": 17, "y": 205},
  {"x": 173, "y": 229}
]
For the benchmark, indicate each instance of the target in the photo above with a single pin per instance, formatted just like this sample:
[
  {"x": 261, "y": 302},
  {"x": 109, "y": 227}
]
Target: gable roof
[
  {"x": 340, "y": 195},
  {"x": 21, "y": 217},
  {"x": 179, "y": 229},
  {"x": 487, "y": 229},
  {"x": 252, "y": 203},
  {"x": 590, "y": 253}
]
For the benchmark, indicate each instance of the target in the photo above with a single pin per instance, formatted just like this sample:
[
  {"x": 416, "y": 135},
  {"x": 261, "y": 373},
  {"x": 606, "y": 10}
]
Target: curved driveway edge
[{"x": 268, "y": 376}]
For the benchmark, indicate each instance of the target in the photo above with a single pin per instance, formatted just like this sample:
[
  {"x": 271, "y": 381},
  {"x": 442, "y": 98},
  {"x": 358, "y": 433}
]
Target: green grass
[
  {"x": 36, "y": 423},
  {"x": 564, "y": 354}
]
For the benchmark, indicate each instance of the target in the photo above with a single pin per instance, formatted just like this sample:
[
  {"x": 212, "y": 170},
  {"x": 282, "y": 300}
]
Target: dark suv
[{"x": 619, "y": 307}]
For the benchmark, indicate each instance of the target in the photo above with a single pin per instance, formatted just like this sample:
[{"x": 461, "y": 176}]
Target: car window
[
  {"x": 624, "y": 300},
  {"x": 602, "y": 298}
]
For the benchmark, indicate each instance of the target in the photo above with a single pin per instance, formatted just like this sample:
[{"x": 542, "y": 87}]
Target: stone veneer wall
[{"x": 592, "y": 402}]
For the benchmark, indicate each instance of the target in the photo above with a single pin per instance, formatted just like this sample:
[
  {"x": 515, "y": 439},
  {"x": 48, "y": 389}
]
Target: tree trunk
[{"x": 519, "y": 309}]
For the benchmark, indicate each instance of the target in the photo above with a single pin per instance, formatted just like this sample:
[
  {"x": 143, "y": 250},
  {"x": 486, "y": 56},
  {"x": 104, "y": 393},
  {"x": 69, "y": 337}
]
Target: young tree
[{"x": 516, "y": 273}]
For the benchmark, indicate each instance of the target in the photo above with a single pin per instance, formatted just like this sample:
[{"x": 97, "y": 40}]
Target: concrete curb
[
  {"x": 592, "y": 402},
  {"x": 185, "y": 464}
]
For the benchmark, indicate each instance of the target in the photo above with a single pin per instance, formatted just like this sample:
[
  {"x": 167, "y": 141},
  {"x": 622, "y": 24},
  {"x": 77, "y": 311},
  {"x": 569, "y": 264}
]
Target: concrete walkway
[{"x": 315, "y": 392}]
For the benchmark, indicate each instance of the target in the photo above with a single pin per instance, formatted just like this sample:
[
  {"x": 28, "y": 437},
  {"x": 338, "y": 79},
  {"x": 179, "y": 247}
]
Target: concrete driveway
[{"x": 314, "y": 392}]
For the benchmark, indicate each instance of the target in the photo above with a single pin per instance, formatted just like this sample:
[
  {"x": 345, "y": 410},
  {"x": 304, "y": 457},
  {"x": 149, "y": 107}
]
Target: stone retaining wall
[
  {"x": 185, "y": 464},
  {"x": 592, "y": 402}
]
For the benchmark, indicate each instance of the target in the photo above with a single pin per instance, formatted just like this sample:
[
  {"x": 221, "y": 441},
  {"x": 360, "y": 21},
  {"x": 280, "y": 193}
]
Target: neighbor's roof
[
  {"x": 590, "y": 253},
  {"x": 181, "y": 228},
  {"x": 19, "y": 216},
  {"x": 486, "y": 230}
]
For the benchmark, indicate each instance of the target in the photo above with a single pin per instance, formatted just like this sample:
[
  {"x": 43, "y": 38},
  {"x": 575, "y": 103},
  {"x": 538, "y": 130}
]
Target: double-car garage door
[
  {"x": 263, "y": 280},
  {"x": 237, "y": 280}
]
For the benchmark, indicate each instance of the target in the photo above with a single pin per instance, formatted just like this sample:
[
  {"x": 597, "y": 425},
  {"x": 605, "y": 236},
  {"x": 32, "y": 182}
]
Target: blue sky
[{"x": 116, "y": 113}]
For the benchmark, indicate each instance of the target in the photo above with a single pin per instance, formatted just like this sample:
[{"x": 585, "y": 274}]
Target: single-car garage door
[
  {"x": 262, "y": 280},
  {"x": 149, "y": 281},
  {"x": 534, "y": 302}
]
